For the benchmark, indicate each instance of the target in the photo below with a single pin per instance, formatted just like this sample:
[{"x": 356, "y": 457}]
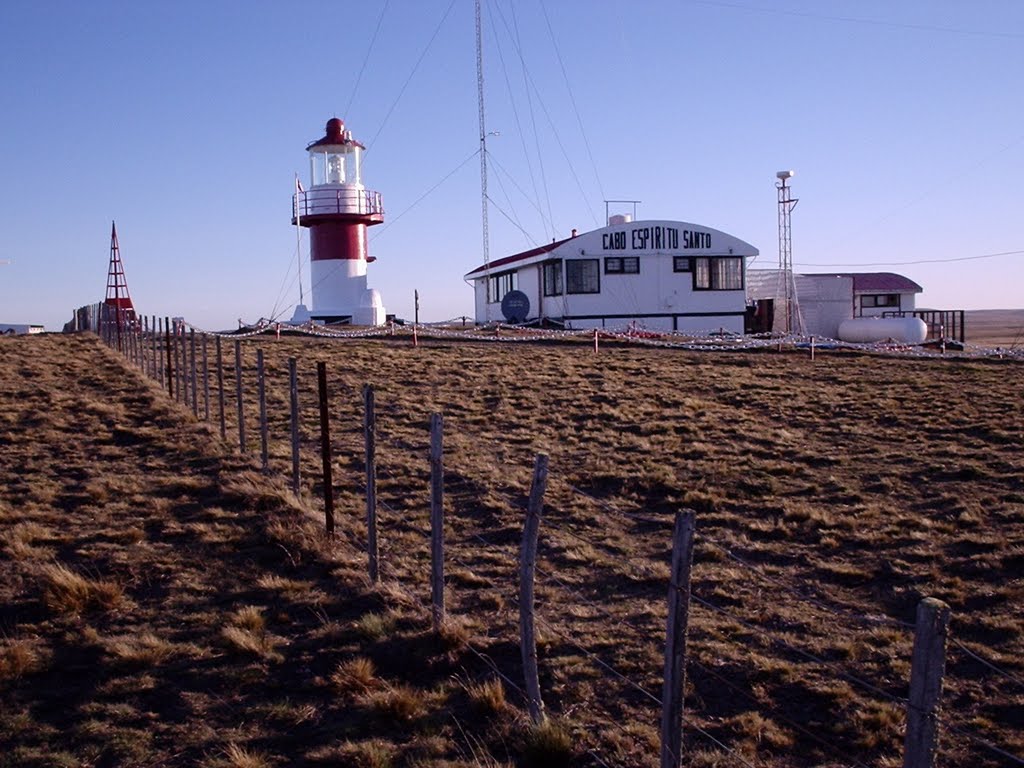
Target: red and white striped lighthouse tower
[{"x": 337, "y": 209}]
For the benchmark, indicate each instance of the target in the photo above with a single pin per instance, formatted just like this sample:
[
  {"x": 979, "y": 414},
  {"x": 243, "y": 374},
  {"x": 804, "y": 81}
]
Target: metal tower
[
  {"x": 788, "y": 293},
  {"x": 483, "y": 156},
  {"x": 117, "y": 287}
]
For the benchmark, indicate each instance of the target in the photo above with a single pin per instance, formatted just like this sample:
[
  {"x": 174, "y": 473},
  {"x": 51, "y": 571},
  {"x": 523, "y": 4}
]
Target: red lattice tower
[{"x": 117, "y": 287}]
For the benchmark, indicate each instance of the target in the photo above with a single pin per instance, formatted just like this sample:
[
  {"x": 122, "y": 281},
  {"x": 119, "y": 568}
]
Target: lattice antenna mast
[
  {"x": 117, "y": 286},
  {"x": 483, "y": 160},
  {"x": 786, "y": 205}
]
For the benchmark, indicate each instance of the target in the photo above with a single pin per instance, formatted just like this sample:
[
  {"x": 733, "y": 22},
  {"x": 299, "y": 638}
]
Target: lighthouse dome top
[{"x": 335, "y": 135}]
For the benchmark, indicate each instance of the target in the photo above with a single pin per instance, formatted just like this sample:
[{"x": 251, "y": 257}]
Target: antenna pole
[
  {"x": 786, "y": 205},
  {"x": 298, "y": 236},
  {"x": 483, "y": 161}
]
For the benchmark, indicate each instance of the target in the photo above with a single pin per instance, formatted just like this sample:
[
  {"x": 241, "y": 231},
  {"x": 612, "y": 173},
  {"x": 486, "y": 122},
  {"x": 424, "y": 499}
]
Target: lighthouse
[{"x": 337, "y": 209}]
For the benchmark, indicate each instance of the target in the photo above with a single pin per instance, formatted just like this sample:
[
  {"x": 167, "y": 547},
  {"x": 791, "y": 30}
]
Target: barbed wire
[
  {"x": 833, "y": 609},
  {"x": 800, "y": 651},
  {"x": 990, "y": 665},
  {"x": 632, "y": 684},
  {"x": 788, "y": 721},
  {"x": 708, "y": 340},
  {"x": 978, "y": 740}
]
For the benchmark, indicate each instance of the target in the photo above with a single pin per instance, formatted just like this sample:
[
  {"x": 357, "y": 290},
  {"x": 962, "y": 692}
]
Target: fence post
[
  {"x": 238, "y": 395},
  {"x": 293, "y": 389},
  {"x": 527, "y": 567},
  {"x": 181, "y": 377},
  {"x": 206, "y": 379},
  {"x": 926, "y": 669},
  {"x": 195, "y": 379},
  {"x": 170, "y": 366},
  {"x": 437, "y": 518},
  {"x": 325, "y": 448},
  {"x": 220, "y": 391},
  {"x": 262, "y": 389},
  {"x": 158, "y": 358},
  {"x": 675, "y": 641},
  {"x": 370, "y": 434}
]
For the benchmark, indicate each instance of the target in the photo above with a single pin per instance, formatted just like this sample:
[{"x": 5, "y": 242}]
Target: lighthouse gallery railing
[{"x": 317, "y": 202}]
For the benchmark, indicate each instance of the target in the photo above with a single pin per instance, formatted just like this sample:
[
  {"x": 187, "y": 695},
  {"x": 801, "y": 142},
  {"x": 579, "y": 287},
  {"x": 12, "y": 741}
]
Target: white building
[
  {"x": 660, "y": 275},
  {"x": 824, "y": 300},
  {"x": 9, "y": 329}
]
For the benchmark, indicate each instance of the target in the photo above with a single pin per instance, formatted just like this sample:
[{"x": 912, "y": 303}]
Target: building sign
[{"x": 656, "y": 238}]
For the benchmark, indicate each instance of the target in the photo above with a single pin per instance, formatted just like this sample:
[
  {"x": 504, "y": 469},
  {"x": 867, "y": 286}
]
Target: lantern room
[{"x": 336, "y": 158}]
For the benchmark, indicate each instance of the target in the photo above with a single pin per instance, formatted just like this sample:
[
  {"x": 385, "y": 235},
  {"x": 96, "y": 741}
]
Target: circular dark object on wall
[{"x": 515, "y": 306}]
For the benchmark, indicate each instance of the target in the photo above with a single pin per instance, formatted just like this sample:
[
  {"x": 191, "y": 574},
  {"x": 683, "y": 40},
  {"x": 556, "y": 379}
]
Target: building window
[
  {"x": 553, "y": 278},
  {"x": 499, "y": 285},
  {"x": 622, "y": 265},
  {"x": 718, "y": 274},
  {"x": 582, "y": 276},
  {"x": 880, "y": 300},
  {"x": 681, "y": 264}
]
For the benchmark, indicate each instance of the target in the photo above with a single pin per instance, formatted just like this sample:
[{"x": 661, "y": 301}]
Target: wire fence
[{"x": 769, "y": 653}]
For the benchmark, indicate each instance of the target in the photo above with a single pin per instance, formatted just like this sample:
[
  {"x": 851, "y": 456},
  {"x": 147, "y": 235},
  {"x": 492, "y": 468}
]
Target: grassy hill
[{"x": 165, "y": 602}]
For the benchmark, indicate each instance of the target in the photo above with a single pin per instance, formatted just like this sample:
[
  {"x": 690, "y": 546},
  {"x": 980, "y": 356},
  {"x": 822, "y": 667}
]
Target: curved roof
[{"x": 712, "y": 243}]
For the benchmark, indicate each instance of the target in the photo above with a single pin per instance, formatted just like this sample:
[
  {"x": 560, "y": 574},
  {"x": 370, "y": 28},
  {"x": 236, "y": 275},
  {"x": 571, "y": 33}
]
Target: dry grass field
[
  {"x": 995, "y": 327},
  {"x": 163, "y": 602}
]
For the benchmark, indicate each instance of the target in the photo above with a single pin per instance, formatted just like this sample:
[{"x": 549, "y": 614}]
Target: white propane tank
[
  {"x": 865, "y": 330},
  {"x": 619, "y": 218}
]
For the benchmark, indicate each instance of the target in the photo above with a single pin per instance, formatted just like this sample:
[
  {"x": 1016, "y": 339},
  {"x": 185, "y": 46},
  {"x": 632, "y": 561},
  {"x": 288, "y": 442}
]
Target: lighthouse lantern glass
[{"x": 340, "y": 166}]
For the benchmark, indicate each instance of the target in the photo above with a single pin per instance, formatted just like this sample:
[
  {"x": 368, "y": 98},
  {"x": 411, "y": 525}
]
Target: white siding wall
[{"x": 649, "y": 299}]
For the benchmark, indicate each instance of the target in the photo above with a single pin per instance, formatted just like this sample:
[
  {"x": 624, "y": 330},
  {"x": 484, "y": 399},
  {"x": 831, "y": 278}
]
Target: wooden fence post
[
  {"x": 179, "y": 352},
  {"x": 325, "y": 447},
  {"x": 220, "y": 391},
  {"x": 370, "y": 435},
  {"x": 238, "y": 395},
  {"x": 157, "y": 368},
  {"x": 293, "y": 390},
  {"x": 437, "y": 518},
  {"x": 527, "y": 567},
  {"x": 158, "y": 357},
  {"x": 926, "y": 669},
  {"x": 170, "y": 367},
  {"x": 262, "y": 389},
  {"x": 675, "y": 641},
  {"x": 206, "y": 379},
  {"x": 195, "y": 378}
]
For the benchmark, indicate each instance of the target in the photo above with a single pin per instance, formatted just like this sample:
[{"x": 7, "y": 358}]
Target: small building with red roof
[{"x": 825, "y": 299}]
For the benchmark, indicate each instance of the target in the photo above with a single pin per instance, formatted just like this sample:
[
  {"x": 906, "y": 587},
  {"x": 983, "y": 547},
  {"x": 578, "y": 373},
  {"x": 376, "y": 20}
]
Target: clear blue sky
[{"x": 185, "y": 122}]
